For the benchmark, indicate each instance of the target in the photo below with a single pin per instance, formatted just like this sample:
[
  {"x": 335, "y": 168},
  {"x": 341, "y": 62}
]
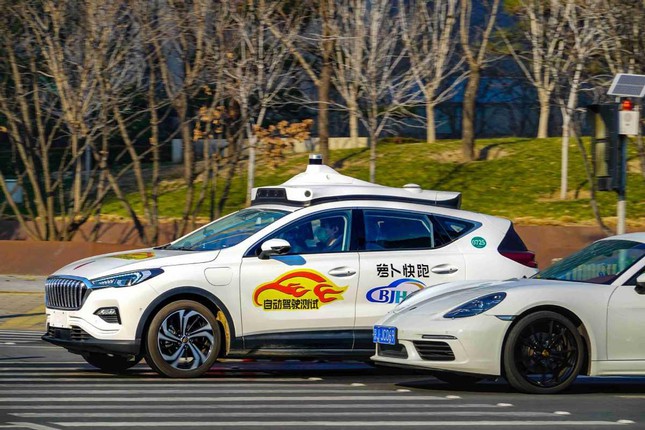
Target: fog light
[{"x": 109, "y": 315}]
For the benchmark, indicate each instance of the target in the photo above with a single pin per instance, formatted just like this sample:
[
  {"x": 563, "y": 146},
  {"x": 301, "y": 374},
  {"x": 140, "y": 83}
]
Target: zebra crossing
[
  {"x": 48, "y": 395},
  {"x": 15, "y": 337}
]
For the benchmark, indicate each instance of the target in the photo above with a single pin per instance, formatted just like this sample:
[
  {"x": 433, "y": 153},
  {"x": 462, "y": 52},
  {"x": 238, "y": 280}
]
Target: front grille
[
  {"x": 65, "y": 293},
  {"x": 75, "y": 333},
  {"x": 393, "y": 351},
  {"x": 435, "y": 351}
]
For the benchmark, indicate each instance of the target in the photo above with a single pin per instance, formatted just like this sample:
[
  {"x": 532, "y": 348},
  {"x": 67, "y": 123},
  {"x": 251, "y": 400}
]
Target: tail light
[{"x": 513, "y": 248}]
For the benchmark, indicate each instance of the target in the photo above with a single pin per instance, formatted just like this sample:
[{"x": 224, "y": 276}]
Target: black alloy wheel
[
  {"x": 543, "y": 353},
  {"x": 183, "y": 340}
]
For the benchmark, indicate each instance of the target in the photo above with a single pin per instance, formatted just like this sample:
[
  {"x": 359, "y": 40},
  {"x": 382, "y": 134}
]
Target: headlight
[
  {"x": 125, "y": 279},
  {"x": 476, "y": 306}
]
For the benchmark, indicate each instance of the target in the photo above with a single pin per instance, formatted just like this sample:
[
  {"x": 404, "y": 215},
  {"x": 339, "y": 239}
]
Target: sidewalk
[{"x": 22, "y": 304}]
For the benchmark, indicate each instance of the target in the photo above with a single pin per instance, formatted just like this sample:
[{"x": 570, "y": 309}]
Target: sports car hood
[
  {"x": 148, "y": 258},
  {"x": 453, "y": 294}
]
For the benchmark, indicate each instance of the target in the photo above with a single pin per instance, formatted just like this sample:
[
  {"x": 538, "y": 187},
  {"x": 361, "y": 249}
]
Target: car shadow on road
[{"x": 583, "y": 385}]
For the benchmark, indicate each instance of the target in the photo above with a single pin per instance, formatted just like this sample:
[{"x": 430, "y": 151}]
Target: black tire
[
  {"x": 457, "y": 380},
  {"x": 183, "y": 340},
  {"x": 543, "y": 353},
  {"x": 112, "y": 363}
]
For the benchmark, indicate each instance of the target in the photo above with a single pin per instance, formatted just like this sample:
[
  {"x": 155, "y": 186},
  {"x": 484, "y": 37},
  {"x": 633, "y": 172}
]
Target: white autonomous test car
[
  {"x": 584, "y": 315},
  {"x": 304, "y": 272}
]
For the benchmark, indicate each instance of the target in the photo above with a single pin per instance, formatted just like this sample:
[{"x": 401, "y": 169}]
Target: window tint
[
  {"x": 449, "y": 229},
  {"x": 321, "y": 233},
  {"x": 599, "y": 263},
  {"x": 228, "y": 231},
  {"x": 397, "y": 230}
]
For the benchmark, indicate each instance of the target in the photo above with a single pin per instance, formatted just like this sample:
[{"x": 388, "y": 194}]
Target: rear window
[
  {"x": 512, "y": 241},
  {"x": 450, "y": 229}
]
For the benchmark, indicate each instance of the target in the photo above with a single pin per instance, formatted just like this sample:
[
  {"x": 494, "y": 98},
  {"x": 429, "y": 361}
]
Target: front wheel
[
  {"x": 543, "y": 353},
  {"x": 183, "y": 340},
  {"x": 111, "y": 363}
]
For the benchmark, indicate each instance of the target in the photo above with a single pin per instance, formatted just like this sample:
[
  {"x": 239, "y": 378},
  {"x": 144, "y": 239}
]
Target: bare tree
[
  {"x": 258, "y": 71},
  {"x": 388, "y": 87},
  {"x": 313, "y": 47},
  {"x": 56, "y": 113},
  {"x": 348, "y": 58},
  {"x": 540, "y": 53},
  {"x": 583, "y": 42},
  {"x": 474, "y": 43},
  {"x": 428, "y": 32},
  {"x": 176, "y": 33}
]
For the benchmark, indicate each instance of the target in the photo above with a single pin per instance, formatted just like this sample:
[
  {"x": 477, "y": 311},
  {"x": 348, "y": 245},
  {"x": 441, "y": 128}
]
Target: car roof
[
  {"x": 636, "y": 237},
  {"x": 322, "y": 184}
]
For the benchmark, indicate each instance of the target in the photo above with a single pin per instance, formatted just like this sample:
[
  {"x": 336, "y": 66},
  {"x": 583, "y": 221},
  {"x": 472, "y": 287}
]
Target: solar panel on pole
[{"x": 627, "y": 85}]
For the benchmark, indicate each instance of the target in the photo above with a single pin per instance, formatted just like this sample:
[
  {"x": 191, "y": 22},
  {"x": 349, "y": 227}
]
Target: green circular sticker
[{"x": 478, "y": 242}]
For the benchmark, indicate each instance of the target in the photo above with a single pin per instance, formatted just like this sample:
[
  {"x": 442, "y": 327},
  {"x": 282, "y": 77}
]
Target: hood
[
  {"x": 455, "y": 293},
  {"x": 147, "y": 258}
]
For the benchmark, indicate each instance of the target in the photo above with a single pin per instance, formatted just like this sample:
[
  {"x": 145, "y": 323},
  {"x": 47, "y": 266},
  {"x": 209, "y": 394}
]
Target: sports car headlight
[
  {"x": 476, "y": 306},
  {"x": 125, "y": 279}
]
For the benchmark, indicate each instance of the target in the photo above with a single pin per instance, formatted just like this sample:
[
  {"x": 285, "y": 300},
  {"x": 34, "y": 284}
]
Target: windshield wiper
[{"x": 182, "y": 248}]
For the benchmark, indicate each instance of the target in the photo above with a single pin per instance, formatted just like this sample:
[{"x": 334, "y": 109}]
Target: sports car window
[
  {"x": 599, "y": 263},
  {"x": 389, "y": 230},
  {"x": 228, "y": 231}
]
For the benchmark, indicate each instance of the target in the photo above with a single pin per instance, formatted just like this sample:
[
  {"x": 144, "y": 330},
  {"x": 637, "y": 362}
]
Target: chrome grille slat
[{"x": 65, "y": 293}]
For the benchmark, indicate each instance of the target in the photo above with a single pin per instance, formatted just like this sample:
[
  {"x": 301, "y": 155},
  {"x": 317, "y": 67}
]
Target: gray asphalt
[{"x": 22, "y": 284}]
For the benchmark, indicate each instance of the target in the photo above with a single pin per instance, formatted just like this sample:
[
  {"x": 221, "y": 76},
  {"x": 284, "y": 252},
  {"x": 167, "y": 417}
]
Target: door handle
[
  {"x": 444, "y": 269},
  {"x": 342, "y": 272}
]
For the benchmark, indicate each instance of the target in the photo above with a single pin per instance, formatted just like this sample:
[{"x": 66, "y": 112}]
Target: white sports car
[{"x": 585, "y": 315}]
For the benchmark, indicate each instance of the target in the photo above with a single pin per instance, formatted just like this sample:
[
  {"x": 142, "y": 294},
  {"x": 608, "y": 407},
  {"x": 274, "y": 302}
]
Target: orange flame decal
[{"x": 297, "y": 290}]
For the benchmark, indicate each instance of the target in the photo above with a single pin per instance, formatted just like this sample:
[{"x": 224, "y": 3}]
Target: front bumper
[
  {"x": 472, "y": 345},
  {"x": 77, "y": 341},
  {"x": 82, "y": 330}
]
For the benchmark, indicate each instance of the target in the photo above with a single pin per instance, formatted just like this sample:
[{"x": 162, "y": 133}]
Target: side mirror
[
  {"x": 273, "y": 247},
  {"x": 640, "y": 281}
]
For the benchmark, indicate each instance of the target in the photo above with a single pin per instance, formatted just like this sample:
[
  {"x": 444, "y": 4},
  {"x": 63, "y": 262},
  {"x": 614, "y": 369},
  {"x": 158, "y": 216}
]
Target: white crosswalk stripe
[{"x": 49, "y": 396}]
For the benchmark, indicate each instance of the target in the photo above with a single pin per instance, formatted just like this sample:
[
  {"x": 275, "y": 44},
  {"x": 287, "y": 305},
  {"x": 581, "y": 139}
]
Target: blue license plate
[{"x": 385, "y": 335}]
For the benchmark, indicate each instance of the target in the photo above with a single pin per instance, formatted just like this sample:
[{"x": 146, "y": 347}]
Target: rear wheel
[
  {"x": 543, "y": 353},
  {"x": 111, "y": 363},
  {"x": 183, "y": 340}
]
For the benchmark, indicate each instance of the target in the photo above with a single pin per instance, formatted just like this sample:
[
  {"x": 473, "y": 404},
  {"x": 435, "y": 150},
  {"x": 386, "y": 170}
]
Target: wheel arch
[
  {"x": 586, "y": 365},
  {"x": 199, "y": 295}
]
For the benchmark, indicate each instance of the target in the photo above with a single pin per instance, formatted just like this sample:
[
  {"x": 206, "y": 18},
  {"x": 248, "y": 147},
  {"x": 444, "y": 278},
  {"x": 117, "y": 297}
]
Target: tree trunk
[
  {"x": 468, "y": 115},
  {"x": 431, "y": 136},
  {"x": 353, "y": 124},
  {"x": 373, "y": 139},
  {"x": 545, "y": 110},
  {"x": 323, "y": 110},
  {"x": 566, "y": 130}
]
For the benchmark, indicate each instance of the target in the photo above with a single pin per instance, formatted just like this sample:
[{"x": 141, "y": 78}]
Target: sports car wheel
[
  {"x": 543, "y": 353},
  {"x": 111, "y": 363},
  {"x": 183, "y": 340}
]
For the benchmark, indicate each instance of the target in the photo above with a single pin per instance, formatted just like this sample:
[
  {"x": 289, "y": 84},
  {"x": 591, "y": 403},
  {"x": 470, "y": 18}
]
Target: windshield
[
  {"x": 599, "y": 263},
  {"x": 228, "y": 231}
]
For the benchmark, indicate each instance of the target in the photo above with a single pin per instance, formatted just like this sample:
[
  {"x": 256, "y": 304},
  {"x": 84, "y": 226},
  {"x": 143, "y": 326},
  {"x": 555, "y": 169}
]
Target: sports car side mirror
[
  {"x": 640, "y": 281},
  {"x": 273, "y": 247}
]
